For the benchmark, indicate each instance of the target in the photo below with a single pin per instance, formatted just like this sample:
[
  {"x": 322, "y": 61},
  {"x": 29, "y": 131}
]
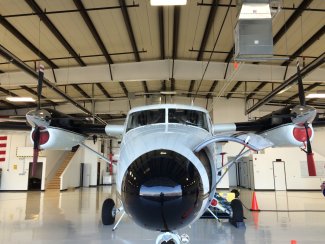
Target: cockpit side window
[
  {"x": 188, "y": 117},
  {"x": 145, "y": 117}
]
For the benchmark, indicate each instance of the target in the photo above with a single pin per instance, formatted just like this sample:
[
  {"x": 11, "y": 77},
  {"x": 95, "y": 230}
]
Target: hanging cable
[{"x": 214, "y": 47}]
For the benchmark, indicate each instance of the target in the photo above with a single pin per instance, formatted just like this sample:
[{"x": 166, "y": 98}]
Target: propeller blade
[
  {"x": 301, "y": 91},
  {"x": 36, "y": 139},
  {"x": 40, "y": 85},
  {"x": 310, "y": 154}
]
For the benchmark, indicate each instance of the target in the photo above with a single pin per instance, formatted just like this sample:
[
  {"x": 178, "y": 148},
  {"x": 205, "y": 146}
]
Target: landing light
[{"x": 163, "y": 153}]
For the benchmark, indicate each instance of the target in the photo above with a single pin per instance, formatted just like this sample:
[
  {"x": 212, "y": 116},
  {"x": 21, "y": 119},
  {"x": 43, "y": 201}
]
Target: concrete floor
[{"x": 74, "y": 217}]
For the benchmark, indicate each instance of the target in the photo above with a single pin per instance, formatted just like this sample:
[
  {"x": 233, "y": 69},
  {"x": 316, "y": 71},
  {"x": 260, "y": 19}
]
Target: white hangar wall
[
  {"x": 260, "y": 166},
  {"x": 15, "y": 169}
]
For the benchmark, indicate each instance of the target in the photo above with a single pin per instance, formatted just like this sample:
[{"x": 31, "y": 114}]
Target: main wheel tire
[
  {"x": 237, "y": 210},
  {"x": 108, "y": 215}
]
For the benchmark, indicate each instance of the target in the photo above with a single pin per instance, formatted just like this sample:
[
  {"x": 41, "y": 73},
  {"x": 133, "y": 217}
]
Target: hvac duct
[{"x": 253, "y": 31}]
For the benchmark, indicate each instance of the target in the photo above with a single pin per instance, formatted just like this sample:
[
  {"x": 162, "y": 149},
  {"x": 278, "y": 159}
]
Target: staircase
[{"x": 55, "y": 182}]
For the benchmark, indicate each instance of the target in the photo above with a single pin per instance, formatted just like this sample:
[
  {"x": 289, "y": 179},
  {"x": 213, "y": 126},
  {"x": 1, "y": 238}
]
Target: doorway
[
  {"x": 98, "y": 173},
  {"x": 279, "y": 176},
  {"x": 35, "y": 181}
]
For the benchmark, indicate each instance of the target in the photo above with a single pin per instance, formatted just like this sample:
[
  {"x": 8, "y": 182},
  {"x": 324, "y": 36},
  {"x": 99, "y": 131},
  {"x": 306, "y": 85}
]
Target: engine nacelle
[
  {"x": 58, "y": 139},
  {"x": 288, "y": 135}
]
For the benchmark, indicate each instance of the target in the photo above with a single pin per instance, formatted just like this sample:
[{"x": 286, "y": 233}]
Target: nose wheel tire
[
  {"x": 108, "y": 212},
  {"x": 172, "y": 238}
]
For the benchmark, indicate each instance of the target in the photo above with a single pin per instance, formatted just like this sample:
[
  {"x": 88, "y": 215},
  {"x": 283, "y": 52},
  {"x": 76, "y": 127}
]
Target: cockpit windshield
[
  {"x": 146, "y": 117},
  {"x": 188, "y": 117}
]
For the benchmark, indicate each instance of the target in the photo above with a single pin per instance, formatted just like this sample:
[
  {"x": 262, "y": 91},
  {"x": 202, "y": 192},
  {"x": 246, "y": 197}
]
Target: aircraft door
[{"x": 86, "y": 175}]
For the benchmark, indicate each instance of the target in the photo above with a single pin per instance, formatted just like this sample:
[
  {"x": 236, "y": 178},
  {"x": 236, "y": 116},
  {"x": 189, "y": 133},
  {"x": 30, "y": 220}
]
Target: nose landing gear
[{"x": 172, "y": 238}]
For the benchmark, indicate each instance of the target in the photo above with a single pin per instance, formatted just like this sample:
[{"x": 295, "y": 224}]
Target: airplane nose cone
[{"x": 162, "y": 190}]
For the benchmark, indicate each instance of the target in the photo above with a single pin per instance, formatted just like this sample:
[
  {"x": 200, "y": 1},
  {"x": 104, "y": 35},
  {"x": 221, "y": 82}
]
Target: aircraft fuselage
[{"x": 162, "y": 183}]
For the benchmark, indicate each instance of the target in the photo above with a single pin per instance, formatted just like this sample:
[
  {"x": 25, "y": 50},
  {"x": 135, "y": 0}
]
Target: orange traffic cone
[{"x": 254, "y": 203}]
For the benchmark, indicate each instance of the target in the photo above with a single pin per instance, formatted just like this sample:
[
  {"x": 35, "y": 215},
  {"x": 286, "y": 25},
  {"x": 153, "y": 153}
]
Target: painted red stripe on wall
[
  {"x": 3, "y": 138},
  {"x": 2, "y": 152},
  {"x": 2, "y": 159},
  {"x": 3, "y": 144}
]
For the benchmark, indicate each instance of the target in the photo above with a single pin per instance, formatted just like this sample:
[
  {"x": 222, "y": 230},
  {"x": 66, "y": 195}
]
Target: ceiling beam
[
  {"x": 292, "y": 19},
  {"x": 306, "y": 70},
  {"x": 7, "y": 92},
  {"x": 175, "y": 43},
  {"x": 161, "y": 32},
  {"x": 309, "y": 88},
  {"x": 145, "y": 88},
  {"x": 9, "y": 105},
  {"x": 208, "y": 28},
  {"x": 26, "y": 42},
  {"x": 93, "y": 30},
  {"x": 258, "y": 88},
  {"x": 31, "y": 91},
  {"x": 236, "y": 86},
  {"x": 172, "y": 84},
  {"x": 65, "y": 11},
  {"x": 34, "y": 6},
  {"x": 190, "y": 90},
  {"x": 20, "y": 64},
  {"x": 103, "y": 90},
  {"x": 175, "y": 31},
  {"x": 127, "y": 22},
  {"x": 306, "y": 45},
  {"x": 125, "y": 90},
  {"x": 162, "y": 40},
  {"x": 213, "y": 86},
  {"x": 207, "y": 31},
  {"x": 80, "y": 90}
]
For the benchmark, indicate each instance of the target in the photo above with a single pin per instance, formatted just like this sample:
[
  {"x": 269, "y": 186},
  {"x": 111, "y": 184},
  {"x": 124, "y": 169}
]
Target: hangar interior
[{"x": 103, "y": 58}]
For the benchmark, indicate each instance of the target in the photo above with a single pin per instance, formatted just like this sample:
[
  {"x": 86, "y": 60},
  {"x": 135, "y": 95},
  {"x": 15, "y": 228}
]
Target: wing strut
[{"x": 97, "y": 153}]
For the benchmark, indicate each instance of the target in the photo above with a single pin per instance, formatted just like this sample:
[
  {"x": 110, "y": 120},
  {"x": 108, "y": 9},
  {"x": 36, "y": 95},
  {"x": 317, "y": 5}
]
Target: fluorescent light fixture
[
  {"x": 20, "y": 99},
  {"x": 168, "y": 92},
  {"x": 316, "y": 95},
  {"x": 285, "y": 89},
  {"x": 255, "y": 11},
  {"x": 167, "y": 2}
]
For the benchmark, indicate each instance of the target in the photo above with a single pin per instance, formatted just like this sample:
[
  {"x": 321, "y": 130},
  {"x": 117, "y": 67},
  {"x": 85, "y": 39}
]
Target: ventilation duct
[{"x": 253, "y": 31}]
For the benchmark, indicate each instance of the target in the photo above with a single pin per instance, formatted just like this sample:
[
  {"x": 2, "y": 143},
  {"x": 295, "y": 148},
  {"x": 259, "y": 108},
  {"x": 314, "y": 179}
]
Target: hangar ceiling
[{"x": 65, "y": 34}]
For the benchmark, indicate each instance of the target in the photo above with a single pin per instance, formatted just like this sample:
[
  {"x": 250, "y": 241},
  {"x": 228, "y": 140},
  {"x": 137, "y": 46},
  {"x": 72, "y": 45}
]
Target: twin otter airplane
[{"x": 168, "y": 170}]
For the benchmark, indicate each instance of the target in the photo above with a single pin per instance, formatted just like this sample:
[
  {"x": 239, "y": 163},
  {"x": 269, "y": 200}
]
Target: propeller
[
  {"x": 37, "y": 131},
  {"x": 304, "y": 115},
  {"x": 40, "y": 85}
]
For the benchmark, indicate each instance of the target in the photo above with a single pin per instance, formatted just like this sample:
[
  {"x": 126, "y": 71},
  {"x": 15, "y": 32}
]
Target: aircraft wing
[{"x": 74, "y": 126}]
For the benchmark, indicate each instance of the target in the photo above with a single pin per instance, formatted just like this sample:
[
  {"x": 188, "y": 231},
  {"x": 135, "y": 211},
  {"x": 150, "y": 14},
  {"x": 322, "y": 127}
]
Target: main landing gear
[
  {"x": 109, "y": 212},
  {"x": 172, "y": 238}
]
